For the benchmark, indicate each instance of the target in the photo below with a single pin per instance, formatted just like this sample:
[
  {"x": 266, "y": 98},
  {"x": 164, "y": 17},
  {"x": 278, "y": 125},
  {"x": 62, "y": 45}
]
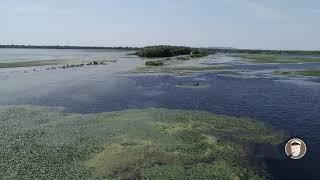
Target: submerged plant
[
  {"x": 45, "y": 143},
  {"x": 155, "y": 63}
]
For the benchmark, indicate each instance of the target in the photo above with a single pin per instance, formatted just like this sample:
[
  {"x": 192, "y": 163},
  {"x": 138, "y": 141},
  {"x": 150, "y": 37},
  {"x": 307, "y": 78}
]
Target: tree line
[
  {"x": 67, "y": 47},
  {"x": 164, "y": 51}
]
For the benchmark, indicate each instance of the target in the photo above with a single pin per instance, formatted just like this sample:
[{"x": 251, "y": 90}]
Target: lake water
[
  {"x": 9, "y": 55},
  {"x": 290, "y": 104}
]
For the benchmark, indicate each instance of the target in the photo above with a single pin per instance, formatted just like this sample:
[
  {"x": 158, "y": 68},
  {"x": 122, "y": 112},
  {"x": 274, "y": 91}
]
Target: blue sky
[{"x": 259, "y": 24}]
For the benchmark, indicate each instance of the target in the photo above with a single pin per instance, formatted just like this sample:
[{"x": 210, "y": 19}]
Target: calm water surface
[
  {"x": 289, "y": 104},
  {"x": 9, "y": 54}
]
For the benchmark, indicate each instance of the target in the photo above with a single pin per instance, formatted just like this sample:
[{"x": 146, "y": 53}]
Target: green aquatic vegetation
[
  {"x": 194, "y": 54},
  {"x": 154, "y": 63},
  {"x": 184, "y": 58},
  {"x": 180, "y": 70},
  {"x": 216, "y": 170},
  {"x": 29, "y": 63},
  {"x": 198, "y": 53},
  {"x": 306, "y": 59},
  {"x": 46, "y": 143},
  {"x": 299, "y": 73},
  {"x": 309, "y": 73},
  {"x": 196, "y": 68},
  {"x": 64, "y": 64},
  {"x": 258, "y": 57},
  {"x": 274, "y": 58},
  {"x": 128, "y": 159}
]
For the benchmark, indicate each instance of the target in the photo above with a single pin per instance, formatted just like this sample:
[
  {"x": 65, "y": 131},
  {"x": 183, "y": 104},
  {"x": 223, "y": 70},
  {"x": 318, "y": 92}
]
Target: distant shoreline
[
  {"x": 67, "y": 47},
  {"x": 209, "y": 50}
]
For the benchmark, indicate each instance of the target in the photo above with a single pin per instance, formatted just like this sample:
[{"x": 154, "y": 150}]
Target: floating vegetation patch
[
  {"x": 198, "y": 53},
  {"x": 315, "y": 73},
  {"x": 45, "y": 143},
  {"x": 29, "y": 63},
  {"x": 275, "y": 58},
  {"x": 155, "y": 63},
  {"x": 54, "y": 63},
  {"x": 184, "y": 58},
  {"x": 80, "y": 65},
  {"x": 180, "y": 70}
]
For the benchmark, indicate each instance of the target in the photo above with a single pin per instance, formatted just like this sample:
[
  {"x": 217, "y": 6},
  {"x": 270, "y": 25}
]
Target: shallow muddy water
[{"x": 287, "y": 103}]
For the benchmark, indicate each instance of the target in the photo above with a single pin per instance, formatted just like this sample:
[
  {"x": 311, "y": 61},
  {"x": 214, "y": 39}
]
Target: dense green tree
[{"x": 164, "y": 51}]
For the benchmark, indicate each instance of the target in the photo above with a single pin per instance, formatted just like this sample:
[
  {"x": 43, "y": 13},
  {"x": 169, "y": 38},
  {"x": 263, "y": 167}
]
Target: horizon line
[{"x": 22, "y": 46}]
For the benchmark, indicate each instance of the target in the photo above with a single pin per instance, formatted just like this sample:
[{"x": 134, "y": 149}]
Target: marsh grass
[
  {"x": 184, "y": 58},
  {"x": 198, "y": 53},
  {"x": 45, "y": 143},
  {"x": 274, "y": 58},
  {"x": 314, "y": 73},
  {"x": 29, "y": 63},
  {"x": 180, "y": 70},
  {"x": 196, "y": 68},
  {"x": 64, "y": 64},
  {"x": 155, "y": 63},
  {"x": 309, "y": 73}
]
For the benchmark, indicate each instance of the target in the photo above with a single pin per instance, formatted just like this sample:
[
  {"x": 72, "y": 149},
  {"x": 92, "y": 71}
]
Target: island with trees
[{"x": 166, "y": 51}]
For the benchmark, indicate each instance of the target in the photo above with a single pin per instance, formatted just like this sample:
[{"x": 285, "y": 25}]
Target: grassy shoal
[
  {"x": 178, "y": 70},
  {"x": 274, "y": 58},
  {"x": 29, "y": 63},
  {"x": 315, "y": 73}
]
